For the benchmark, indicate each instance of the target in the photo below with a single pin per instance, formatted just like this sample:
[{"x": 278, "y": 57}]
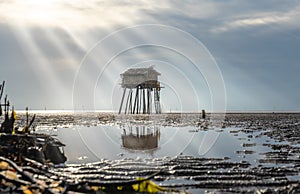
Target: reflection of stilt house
[
  {"x": 141, "y": 83},
  {"x": 140, "y": 138}
]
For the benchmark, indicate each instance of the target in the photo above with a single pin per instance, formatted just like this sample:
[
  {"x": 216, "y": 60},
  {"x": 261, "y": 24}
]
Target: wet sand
[{"x": 262, "y": 151}]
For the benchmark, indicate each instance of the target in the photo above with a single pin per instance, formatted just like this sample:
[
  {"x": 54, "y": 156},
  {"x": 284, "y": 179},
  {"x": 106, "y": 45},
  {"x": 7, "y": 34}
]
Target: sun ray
[
  {"x": 68, "y": 58},
  {"x": 40, "y": 63},
  {"x": 75, "y": 37}
]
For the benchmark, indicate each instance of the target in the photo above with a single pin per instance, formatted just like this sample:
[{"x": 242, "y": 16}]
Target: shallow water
[
  {"x": 252, "y": 152},
  {"x": 89, "y": 144}
]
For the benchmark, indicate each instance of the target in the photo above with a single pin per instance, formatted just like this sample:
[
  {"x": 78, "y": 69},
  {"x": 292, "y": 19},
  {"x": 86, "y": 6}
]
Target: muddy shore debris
[{"x": 277, "y": 171}]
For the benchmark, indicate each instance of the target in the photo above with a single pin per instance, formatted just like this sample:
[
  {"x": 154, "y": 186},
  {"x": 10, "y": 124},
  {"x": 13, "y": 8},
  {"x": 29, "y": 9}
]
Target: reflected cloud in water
[{"x": 132, "y": 140}]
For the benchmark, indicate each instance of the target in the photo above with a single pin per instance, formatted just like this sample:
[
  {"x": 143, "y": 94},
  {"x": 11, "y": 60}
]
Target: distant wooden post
[{"x": 203, "y": 114}]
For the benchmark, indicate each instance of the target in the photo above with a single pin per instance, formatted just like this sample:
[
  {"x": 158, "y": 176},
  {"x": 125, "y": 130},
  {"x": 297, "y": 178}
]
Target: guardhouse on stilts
[{"x": 142, "y": 85}]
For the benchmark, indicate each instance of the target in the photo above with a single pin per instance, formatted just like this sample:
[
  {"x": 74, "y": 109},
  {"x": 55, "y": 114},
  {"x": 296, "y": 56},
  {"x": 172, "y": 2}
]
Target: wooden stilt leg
[
  {"x": 127, "y": 101},
  {"x": 130, "y": 102},
  {"x": 136, "y": 101},
  {"x": 144, "y": 103},
  {"x": 120, "y": 109},
  {"x": 148, "y": 100}
]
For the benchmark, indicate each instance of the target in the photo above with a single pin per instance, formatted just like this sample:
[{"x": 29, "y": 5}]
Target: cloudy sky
[{"x": 61, "y": 54}]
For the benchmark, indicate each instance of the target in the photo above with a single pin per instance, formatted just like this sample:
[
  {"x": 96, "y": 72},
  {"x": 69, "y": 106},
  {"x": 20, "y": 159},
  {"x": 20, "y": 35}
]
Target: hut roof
[{"x": 140, "y": 71}]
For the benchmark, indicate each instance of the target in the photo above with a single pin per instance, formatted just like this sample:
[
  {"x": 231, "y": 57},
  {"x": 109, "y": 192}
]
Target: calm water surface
[
  {"x": 264, "y": 141},
  {"x": 89, "y": 144}
]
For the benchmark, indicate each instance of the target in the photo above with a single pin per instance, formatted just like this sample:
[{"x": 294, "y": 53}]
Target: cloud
[
  {"x": 288, "y": 19},
  {"x": 52, "y": 36},
  {"x": 215, "y": 16},
  {"x": 75, "y": 14},
  {"x": 78, "y": 14}
]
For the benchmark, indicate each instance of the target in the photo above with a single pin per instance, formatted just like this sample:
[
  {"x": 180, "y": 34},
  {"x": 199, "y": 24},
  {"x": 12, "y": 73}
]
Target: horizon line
[{"x": 186, "y": 112}]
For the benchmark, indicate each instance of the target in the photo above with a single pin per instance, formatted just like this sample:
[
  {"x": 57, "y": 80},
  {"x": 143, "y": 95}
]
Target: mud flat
[{"x": 255, "y": 152}]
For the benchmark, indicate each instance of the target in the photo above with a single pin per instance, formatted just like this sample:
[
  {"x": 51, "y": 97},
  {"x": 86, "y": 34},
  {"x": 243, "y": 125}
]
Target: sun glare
[
  {"x": 75, "y": 14},
  {"x": 35, "y": 12},
  {"x": 64, "y": 25}
]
